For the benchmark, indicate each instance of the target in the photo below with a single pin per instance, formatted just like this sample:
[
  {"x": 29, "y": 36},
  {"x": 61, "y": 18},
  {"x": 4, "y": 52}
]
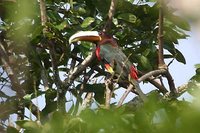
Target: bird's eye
[{"x": 100, "y": 33}]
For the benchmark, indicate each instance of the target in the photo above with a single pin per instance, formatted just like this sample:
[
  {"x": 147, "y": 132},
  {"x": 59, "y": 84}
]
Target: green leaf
[
  {"x": 28, "y": 97},
  {"x": 197, "y": 66},
  {"x": 145, "y": 63},
  {"x": 98, "y": 89},
  {"x": 127, "y": 17},
  {"x": 12, "y": 130},
  {"x": 180, "y": 57},
  {"x": 30, "y": 126},
  {"x": 62, "y": 25},
  {"x": 87, "y": 22},
  {"x": 178, "y": 21}
]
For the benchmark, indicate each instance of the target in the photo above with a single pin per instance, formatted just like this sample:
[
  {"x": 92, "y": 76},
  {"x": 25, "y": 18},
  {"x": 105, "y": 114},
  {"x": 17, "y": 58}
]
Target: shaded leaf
[
  {"x": 179, "y": 57},
  {"x": 12, "y": 130},
  {"x": 127, "y": 17},
  {"x": 145, "y": 62},
  {"x": 29, "y": 126}
]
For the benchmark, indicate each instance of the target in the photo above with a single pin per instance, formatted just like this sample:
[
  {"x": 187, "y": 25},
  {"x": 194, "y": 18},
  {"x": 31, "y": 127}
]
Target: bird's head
[{"x": 91, "y": 36}]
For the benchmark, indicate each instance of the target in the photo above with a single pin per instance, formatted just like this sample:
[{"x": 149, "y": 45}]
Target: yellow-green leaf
[{"x": 87, "y": 22}]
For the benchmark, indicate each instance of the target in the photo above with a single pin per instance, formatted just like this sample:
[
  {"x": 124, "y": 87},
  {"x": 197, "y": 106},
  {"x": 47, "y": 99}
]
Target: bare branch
[
  {"x": 51, "y": 46},
  {"x": 108, "y": 93},
  {"x": 182, "y": 89},
  {"x": 11, "y": 74},
  {"x": 43, "y": 14},
  {"x": 171, "y": 83},
  {"x": 157, "y": 85},
  {"x": 128, "y": 90},
  {"x": 79, "y": 69},
  {"x": 111, "y": 13},
  {"x": 161, "y": 63},
  {"x": 151, "y": 73},
  {"x": 86, "y": 102}
]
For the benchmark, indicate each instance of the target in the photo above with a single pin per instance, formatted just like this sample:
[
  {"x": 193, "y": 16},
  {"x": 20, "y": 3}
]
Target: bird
[{"x": 111, "y": 55}]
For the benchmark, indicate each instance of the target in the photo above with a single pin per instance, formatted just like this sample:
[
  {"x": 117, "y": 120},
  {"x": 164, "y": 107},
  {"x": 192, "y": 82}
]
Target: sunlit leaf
[
  {"x": 87, "y": 22},
  {"x": 62, "y": 25}
]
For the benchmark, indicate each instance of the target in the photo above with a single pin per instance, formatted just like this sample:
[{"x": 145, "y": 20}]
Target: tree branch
[
  {"x": 79, "y": 69},
  {"x": 128, "y": 90},
  {"x": 147, "y": 76},
  {"x": 86, "y": 102},
  {"x": 171, "y": 83},
  {"x": 43, "y": 14},
  {"x": 111, "y": 13},
  {"x": 51, "y": 46},
  {"x": 151, "y": 73},
  {"x": 161, "y": 88},
  {"x": 11, "y": 74},
  {"x": 108, "y": 92},
  {"x": 161, "y": 63}
]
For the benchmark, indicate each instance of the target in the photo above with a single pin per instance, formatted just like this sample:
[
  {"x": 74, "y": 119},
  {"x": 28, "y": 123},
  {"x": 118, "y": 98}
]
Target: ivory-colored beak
[{"x": 91, "y": 36}]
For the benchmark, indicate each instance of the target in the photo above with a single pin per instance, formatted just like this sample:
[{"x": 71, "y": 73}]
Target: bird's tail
[
  {"x": 138, "y": 89},
  {"x": 140, "y": 93}
]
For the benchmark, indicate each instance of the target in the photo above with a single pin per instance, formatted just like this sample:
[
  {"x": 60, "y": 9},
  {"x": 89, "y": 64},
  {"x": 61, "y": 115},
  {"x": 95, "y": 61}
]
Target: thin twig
[
  {"x": 11, "y": 74},
  {"x": 35, "y": 91},
  {"x": 86, "y": 102},
  {"x": 128, "y": 90}
]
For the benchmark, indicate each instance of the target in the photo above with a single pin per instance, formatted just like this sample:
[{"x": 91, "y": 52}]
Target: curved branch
[
  {"x": 171, "y": 83},
  {"x": 79, "y": 69},
  {"x": 157, "y": 85},
  {"x": 151, "y": 73},
  {"x": 11, "y": 74},
  {"x": 128, "y": 90}
]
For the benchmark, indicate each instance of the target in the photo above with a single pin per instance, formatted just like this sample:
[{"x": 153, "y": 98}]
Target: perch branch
[
  {"x": 144, "y": 77},
  {"x": 151, "y": 73},
  {"x": 79, "y": 69}
]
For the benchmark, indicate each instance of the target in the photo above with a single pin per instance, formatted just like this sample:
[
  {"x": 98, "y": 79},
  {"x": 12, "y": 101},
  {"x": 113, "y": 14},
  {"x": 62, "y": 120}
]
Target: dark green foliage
[
  {"x": 135, "y": 28},
  {"x": 153, "y": 117}
]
